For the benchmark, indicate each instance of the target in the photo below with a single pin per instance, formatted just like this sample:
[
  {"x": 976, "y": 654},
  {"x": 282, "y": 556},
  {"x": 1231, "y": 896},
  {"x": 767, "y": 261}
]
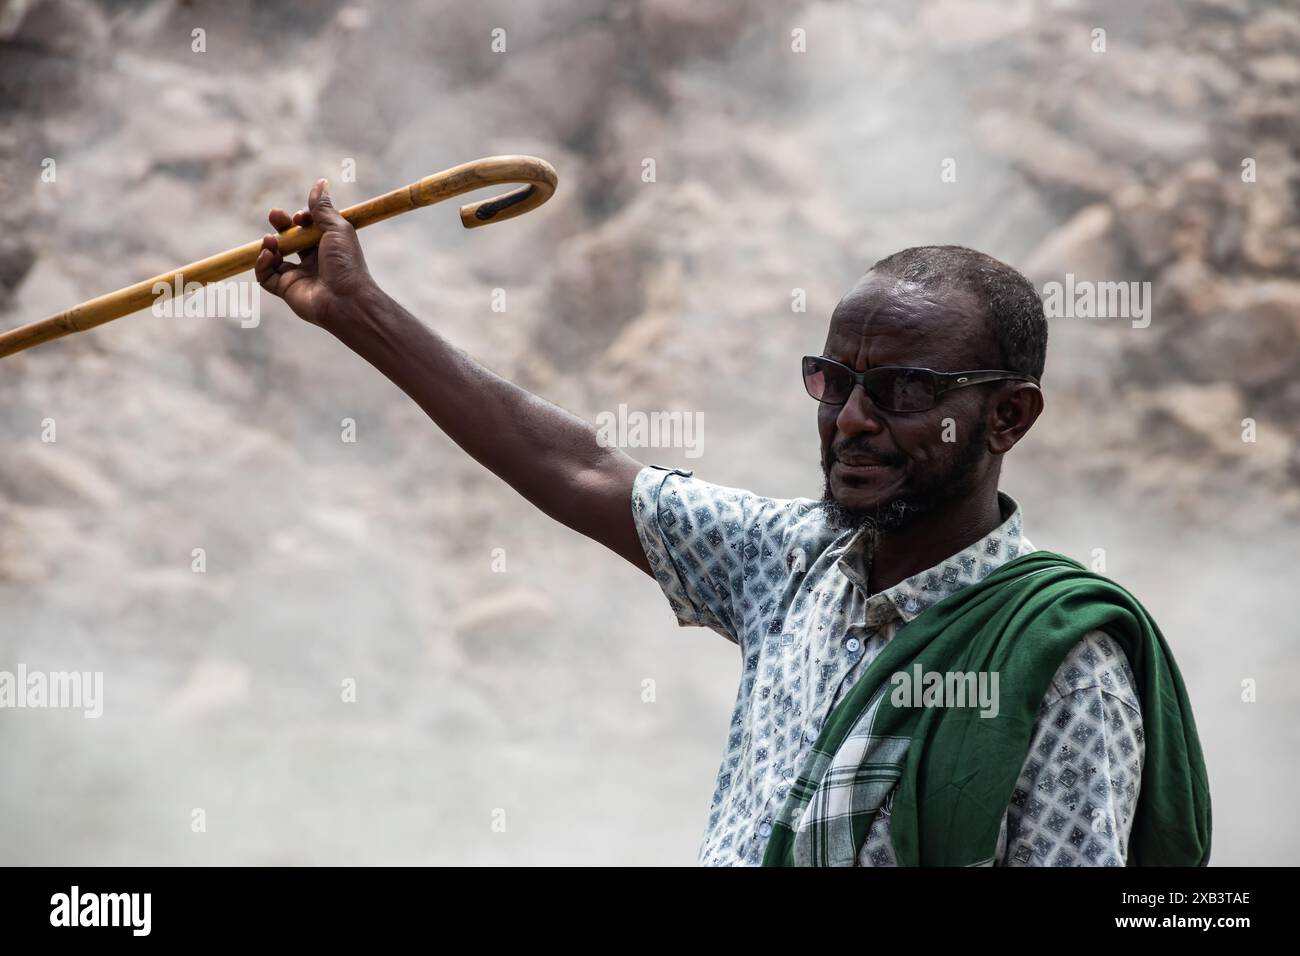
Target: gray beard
[{"x": 889, "y": 515}]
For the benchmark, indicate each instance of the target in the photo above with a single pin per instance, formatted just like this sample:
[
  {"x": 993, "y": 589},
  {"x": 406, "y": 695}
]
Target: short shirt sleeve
[
  {"x": 1078, "y": 790},
  {"x": 706, "y": 544}
]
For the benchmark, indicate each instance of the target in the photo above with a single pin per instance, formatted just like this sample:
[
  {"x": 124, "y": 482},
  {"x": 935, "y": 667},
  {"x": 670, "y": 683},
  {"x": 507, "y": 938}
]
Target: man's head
[{"x": 949, "y": 309}]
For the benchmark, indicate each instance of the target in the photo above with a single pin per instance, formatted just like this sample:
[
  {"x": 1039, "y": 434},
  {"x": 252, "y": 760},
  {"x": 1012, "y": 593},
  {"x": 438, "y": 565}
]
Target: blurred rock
[
  {"x": 70, "y": 28},
  {"x": 675, "y": 30},
  {"x": 1271, "y": 116},
  {"x": 1272, "y": 230},
  {"x": 966, "y": 24},
  {"x": 595, "y": 289},
  {"x": 1280, "y": 70},
  {"x": 530, "y": 78},
  {"x": 1185, "y": 290},
  {"x": 504, "y": 625},
  {"x": 1190, "y": 215},
  {"x": 12, "y": 13},
  {"x": 1251, "y": 338},
  {"x": 1272, "y": 30},
  {"x": 37, "y": 473},
  {"x": 16, "y": 259},
  {"x": 1084, "y": 246},
  {"x": 202, "y": 145},
  {"x": 44, "y": 55},
  {"x": 1136, "y": 132},
  {"x": 1194, "y": 419},
  {"x": 1049, "y": 159}
]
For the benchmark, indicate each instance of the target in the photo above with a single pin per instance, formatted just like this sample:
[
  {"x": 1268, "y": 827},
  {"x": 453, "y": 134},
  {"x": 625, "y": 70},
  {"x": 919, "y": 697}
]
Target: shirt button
[
  {"x": 853, "y": 645},
  {"x": 765, "y": 829},
  {"x": 810, "y": 736}
]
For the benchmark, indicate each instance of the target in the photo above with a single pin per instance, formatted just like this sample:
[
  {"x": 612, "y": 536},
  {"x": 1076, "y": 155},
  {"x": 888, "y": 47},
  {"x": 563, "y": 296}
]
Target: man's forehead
[{"x": 886, "y": 321}]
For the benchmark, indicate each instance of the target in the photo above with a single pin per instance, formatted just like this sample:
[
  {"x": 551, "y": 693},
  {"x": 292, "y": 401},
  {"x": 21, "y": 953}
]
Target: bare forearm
[{"x": 548, "y": 455}]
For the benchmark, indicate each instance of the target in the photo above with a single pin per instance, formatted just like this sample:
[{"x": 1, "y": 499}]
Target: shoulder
[
  {"x": 1096, "y": 663},
  {"x": 690, "y": 505}
]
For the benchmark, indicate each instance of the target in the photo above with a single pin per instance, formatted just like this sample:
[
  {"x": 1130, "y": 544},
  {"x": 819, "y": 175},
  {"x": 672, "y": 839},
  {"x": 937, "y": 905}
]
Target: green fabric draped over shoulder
[{"x": 952, "y": 771}]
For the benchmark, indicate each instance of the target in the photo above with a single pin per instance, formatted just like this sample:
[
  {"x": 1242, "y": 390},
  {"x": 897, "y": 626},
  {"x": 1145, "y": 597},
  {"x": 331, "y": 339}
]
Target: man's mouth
[
  {"x": 855, "y": 468},
  {"x": 858, "y": 458},
  {"x": 861, "y": 461}
]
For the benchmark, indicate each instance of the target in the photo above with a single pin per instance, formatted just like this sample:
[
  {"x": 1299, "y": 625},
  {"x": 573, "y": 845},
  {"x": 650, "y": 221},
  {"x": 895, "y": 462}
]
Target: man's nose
[{"x": 858, "y": 415}]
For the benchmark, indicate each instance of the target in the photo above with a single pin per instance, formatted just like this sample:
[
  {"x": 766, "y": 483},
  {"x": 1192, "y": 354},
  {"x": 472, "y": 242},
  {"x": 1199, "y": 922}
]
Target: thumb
[{"x": 322, "y": 208}]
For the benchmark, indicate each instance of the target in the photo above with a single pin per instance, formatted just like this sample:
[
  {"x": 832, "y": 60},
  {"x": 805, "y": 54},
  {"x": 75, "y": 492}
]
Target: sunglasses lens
[
  {"x": 825, "y": 382},
  {"x": 902, "y": 389}
]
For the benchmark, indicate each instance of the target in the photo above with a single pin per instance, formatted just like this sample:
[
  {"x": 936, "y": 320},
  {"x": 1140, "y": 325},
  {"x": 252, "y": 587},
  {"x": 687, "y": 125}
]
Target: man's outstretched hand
[{"x": 330, "y": 278}]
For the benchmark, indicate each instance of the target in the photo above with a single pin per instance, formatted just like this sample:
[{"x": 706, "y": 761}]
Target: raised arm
[{"x": 548, "y": 455}]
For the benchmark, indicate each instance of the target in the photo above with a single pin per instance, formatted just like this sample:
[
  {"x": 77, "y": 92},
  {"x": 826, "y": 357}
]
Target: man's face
[{"x": 885, "y": 467}]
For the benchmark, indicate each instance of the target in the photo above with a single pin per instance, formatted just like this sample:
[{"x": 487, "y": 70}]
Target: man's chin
[
  {"x": 851, "y": 509},
  {"x": 858, "y": 501}
]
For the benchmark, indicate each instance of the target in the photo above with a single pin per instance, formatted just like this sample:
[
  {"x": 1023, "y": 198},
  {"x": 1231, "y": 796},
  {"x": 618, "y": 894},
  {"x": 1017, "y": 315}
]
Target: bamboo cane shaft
[{"x": 537, "y": 175}]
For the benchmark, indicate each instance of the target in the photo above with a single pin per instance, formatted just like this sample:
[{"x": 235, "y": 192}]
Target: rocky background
[{"x": 522, "y": 690}]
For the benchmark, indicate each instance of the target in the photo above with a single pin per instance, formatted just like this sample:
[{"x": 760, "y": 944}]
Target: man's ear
[{"x": 1015, "y": 408}]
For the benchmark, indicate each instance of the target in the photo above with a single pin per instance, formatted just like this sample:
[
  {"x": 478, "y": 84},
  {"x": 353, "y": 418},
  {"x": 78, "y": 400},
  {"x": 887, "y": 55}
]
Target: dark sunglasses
[{"x": 893, "y": 388}]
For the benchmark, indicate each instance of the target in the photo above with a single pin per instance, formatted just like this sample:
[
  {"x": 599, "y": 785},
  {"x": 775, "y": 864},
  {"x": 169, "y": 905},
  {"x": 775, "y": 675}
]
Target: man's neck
[{"x": 929, "y": 538}]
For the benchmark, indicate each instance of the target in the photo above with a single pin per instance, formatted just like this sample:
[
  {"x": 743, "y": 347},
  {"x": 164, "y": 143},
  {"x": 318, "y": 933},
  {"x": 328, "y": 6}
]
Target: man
[{"x": 864, "y": 618}]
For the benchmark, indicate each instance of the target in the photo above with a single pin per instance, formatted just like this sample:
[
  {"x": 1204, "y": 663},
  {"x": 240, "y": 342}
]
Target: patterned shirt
[{"x": 773, "y": 577}]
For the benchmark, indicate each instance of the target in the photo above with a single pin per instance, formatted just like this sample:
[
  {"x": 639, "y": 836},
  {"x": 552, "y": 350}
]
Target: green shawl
[{"x": 954, "y": 771}]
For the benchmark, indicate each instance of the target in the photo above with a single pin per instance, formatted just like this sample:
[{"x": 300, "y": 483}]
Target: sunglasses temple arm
[{"x": 979, "y": 378}]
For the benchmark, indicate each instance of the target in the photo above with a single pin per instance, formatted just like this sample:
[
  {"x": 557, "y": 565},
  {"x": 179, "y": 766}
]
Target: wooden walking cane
[{"x": 492, "y": 171}]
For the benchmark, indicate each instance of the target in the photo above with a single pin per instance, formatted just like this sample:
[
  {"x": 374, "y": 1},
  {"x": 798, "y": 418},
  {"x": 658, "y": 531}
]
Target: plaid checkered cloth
[{"x": 954, "y": 767}]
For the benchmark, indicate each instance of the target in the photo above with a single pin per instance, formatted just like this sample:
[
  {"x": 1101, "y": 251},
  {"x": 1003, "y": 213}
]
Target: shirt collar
[{"x": 915, "y": 594}]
